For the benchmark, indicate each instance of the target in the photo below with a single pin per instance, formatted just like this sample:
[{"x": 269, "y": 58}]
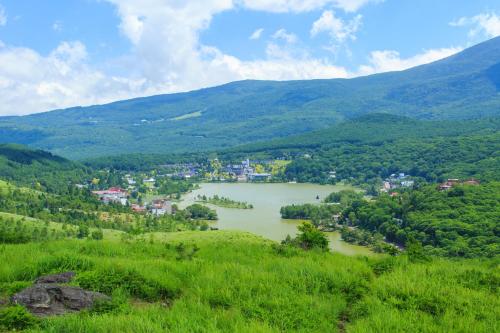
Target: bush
[
  {"x": 116, "y": 304},
  {"x": 311, "y": 237},
  {"x": 97, "y": 235},
  {"x": 16, "y": 318},
  {"x": 199, "y": 212}
]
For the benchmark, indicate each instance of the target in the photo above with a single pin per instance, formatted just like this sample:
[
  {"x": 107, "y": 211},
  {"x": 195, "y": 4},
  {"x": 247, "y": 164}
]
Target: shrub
[
  {"x": 97, "y": 235},
  {"x": 311, "y": 237},
  {"x": 16, "y": 318},
  {"x": 116, "y": 304}
]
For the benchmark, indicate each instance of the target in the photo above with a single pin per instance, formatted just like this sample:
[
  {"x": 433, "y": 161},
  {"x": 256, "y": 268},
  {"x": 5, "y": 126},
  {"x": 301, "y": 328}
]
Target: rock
[
  {"x": 56, "y": 278},
  {"x": 45, "y": 299}
]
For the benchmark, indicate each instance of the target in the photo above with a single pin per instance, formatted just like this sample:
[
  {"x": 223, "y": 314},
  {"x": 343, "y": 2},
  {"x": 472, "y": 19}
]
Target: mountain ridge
[{"x": 463, "y": 86}]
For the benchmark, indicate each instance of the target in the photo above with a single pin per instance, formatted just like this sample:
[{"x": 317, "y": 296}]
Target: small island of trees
[{"x": 224, "y": 202}]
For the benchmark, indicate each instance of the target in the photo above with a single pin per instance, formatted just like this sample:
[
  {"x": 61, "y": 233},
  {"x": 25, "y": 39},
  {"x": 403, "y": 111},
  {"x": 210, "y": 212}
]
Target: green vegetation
[
  {"x": 16, "y": 318},
  {"x": 163, "y": 278},
  {"x": 39, "y": 169},
  {"x": 464, "y": 86},
  {"x": 461, "y": 222},
  {"x": 362, "y": 237},
  {"x": 14, "y": 231},
  {"x": 223, "y": 202},
  {"x": 309, "y": 238},
  {"x": 344, "y": 197},
  {"x": 324, "y": 214},
  {"x": 312, "y": 212},
  {"x": 237, "y": 282},
  {"x": 200, "y": 212},
  {"x": 174, "y": 186},
  {"x": 366, "y": 150},
  {"x": 164, "y": 274}
]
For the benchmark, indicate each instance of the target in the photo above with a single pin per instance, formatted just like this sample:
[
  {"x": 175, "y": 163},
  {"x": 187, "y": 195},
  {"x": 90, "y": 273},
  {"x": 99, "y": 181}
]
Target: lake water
[{"x": 264, "y": 219}]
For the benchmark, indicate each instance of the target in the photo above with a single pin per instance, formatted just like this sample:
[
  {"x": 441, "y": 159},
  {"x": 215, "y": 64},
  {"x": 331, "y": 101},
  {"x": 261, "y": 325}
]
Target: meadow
[{"x": 224, "y": 281}]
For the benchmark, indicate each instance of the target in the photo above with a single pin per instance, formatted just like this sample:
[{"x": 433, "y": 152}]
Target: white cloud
[
  {"x": 256, "y": 34},
  {"x": 487, "y": 24},
  {"x": 336, "y": 27},
  {"x": 297, "y": 6},
  {"x": 3, "y": 16},
  {"x": 172, "y": 58},
  {"x": 387, "y": 61},
  {"x": 167, "y": 56},
  {"x": 284, "y": 35},
  {"x": 30, "y": 82}
]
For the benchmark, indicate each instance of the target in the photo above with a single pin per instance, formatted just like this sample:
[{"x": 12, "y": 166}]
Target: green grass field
[{"x": 224, "y": 281}]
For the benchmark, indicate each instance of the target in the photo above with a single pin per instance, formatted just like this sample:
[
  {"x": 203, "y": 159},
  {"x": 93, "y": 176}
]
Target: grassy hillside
[
  {"x": 239, "y": 283},
  {"x": 463, "y": 86},
  {"x": 36, "y": 168}
]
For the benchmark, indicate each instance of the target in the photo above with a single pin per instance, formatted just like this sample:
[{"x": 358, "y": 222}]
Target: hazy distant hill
[{"x": 464, "y": 86}]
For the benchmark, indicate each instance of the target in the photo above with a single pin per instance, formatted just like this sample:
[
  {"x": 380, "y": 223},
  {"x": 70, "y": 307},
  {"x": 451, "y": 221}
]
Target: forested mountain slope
[
  {"x": 463, "y": 86},
  {"x": 38, "y": 168}
]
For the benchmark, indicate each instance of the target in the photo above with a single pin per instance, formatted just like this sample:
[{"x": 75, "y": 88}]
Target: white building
[{"x": 161, "y": 207}]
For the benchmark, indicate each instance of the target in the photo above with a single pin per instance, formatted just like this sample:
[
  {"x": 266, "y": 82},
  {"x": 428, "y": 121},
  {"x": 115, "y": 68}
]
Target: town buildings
[
  {"x": 113, "y": 195},
  {"x": 161, "y": 207}
]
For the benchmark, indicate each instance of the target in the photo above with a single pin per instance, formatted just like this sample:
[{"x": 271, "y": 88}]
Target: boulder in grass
[
  {"x": 47, "y": 297},
  {"x": 53, "y": 299}
]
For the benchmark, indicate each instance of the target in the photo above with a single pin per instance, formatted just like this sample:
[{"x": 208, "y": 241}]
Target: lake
[{"x": 264, "y": 219}]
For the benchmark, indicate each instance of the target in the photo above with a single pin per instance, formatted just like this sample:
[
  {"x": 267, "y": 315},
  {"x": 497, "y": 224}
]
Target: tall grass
[{"x": 237, "y": 282}]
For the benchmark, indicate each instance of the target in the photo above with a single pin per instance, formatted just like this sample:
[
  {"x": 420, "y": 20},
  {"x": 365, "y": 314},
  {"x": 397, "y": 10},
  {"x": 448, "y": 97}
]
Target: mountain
[{"x": 463, "y": 86}]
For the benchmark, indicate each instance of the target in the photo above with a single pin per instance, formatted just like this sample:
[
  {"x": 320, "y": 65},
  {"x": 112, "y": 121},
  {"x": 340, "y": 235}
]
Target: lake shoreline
[{"x": 267, "y": 199}]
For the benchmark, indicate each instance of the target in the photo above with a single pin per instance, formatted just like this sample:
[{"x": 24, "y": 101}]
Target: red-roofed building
[
  {"x": 113, "y": 194},
  {"x": 138, "y": 209}
]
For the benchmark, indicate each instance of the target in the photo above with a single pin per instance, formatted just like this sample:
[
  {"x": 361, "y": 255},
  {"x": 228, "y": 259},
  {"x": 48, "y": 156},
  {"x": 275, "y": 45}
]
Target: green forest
[{"x": 460, "y": 222}]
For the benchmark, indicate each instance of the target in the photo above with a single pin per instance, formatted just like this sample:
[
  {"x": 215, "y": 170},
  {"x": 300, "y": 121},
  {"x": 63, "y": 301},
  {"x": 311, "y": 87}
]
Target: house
[
  {"x": 113, "y": 194},
  {"x": 151, "y": 181},
  {"x": 407, "y": 183},
  {"x": 449, "y": 184},
  {"x": 161, "y": 207},
  {"x": 130, "y": 181},
  {"x": 138, "y": 209},
  {"x": 259, "y": 176},
  {"x": 336, "y": 218}
]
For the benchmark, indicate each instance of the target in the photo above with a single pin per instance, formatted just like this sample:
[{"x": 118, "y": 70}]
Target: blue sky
[{"x": 61, "y": 53}]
